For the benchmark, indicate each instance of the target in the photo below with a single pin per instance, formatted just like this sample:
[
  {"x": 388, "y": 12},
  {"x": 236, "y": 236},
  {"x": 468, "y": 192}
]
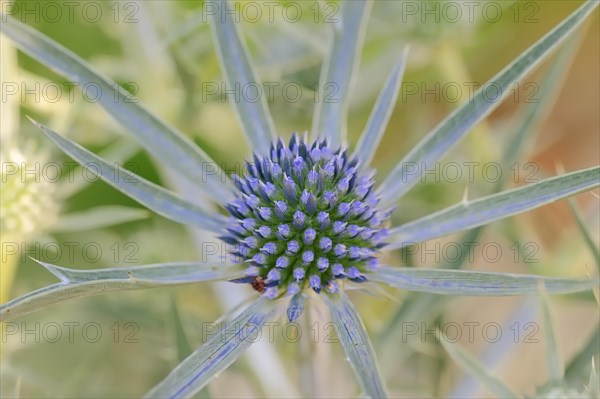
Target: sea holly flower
[
  {"x": 307, "y": 217},
  {"x": 312, "y": 251}
]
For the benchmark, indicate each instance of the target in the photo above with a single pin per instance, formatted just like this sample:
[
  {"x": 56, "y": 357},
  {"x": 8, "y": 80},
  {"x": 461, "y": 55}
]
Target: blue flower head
[{"x": 318, "y": 200}]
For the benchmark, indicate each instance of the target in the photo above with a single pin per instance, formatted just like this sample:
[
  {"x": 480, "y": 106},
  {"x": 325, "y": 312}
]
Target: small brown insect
[{"x": 258, "y": 284}]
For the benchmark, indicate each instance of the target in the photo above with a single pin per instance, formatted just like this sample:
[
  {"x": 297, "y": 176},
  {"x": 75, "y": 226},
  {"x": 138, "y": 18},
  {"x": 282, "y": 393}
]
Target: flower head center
[{"x": 305, "y": 217}]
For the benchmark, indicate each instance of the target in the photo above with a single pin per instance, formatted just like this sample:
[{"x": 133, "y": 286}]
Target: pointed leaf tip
[{"x": 56, "y": 271}]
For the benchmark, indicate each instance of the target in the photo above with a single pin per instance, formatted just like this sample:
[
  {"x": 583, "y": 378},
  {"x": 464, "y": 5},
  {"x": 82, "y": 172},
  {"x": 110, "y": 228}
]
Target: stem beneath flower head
[{"x": 308, "y": 359}]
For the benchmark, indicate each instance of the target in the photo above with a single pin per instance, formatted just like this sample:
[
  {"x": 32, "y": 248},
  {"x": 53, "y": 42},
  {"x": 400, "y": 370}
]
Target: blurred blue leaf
[
  {"x": 478, "y": 370},
  {"x": 528, "y": 120}
]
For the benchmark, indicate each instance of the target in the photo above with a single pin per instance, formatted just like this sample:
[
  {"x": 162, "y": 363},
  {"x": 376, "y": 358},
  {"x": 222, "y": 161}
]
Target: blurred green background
[{"x": 162, "y": 51}]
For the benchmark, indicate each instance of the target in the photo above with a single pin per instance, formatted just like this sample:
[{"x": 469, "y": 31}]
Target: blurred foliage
[{"x": 168, "y": 60}]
